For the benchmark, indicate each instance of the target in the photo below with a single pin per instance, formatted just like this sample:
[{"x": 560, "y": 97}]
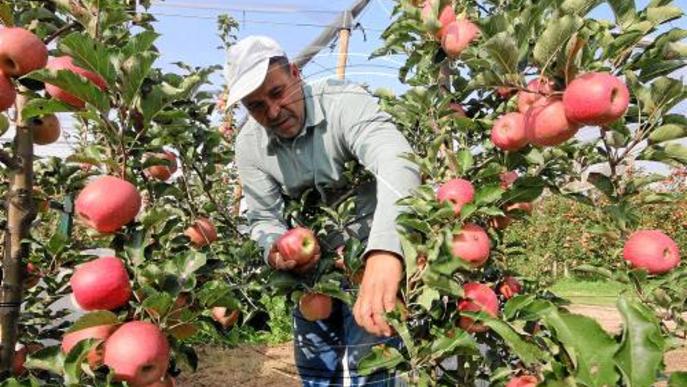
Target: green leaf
[
  {"x": 503, "y": 49},
  {"x": 659, "y": 15},
  {"x": 139, "y": 43},
  {"x": 444, "y": 345},
  {"x": 158, "y": 304},
  {"x": 590, "y": 348},
  {"x": 526, "y": 351},
  {"x": 427, "y": 298},
  {"x": 101, "y": 317},
  {"x": 165, "y": 94},
  {"x": 89, "y": 54},
  {"x": 48, "y": 359},
  {"x": 465, "y": 160},
  {"x": 554, "y": 38},
  {"x": 667, "y": 132},
  {"x": 134, "y": 71},
  {"x": 578, "y": 7},
  {"x": 678, "y": 379},
  {"x": 381, "y": 357},
  {"x": 488, "y": 194},
  {"x": 74, "y": 84},
  {"x": 76, "y": 356},
  {"x": 602, "y": 182},
  {"x": 640, "y": 356},
  {"x": 39, "y": 106},
  {"x": 625, "y": 12}
]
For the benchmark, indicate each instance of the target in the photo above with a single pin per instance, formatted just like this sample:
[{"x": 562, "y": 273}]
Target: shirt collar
[{"x": 313, "y": 116}]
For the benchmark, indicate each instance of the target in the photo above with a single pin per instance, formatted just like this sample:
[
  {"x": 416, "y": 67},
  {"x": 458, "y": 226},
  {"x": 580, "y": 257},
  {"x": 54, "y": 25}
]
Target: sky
[{"x": 188, "y": 31}]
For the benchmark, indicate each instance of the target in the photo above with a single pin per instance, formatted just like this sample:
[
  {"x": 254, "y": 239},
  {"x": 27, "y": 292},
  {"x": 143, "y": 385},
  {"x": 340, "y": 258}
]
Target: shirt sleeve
[
  {"x": 263, "y": 199},
  {"x": 373, "y": 138}
]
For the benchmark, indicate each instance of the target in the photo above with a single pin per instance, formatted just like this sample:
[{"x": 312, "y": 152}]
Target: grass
[{"x": 578, "y": 291}]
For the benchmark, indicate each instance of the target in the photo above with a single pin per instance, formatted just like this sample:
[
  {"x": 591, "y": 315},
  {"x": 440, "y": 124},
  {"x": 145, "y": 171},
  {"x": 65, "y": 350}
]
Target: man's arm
[
  {"x": 263, "y": 197},
  {"x": 373, "y": 138}
]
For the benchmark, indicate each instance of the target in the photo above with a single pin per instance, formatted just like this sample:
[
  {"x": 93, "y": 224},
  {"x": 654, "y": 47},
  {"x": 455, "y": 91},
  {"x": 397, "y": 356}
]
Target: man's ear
[{"x": 295, "y": 71}]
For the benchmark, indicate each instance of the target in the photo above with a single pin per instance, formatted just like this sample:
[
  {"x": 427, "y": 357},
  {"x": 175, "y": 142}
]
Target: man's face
[{"x": 278, "y": 103}]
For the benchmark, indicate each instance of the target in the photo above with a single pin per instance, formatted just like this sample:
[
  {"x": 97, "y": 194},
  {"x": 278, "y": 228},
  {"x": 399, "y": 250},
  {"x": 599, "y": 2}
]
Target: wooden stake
[{"x": 344, "y": 35}]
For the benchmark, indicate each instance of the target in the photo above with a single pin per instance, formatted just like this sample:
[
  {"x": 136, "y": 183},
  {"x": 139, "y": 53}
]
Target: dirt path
[{"x": 261, "y": 366}]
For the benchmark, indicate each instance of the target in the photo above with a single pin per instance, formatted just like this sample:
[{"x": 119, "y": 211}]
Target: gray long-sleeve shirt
[{"x": 343, "y": 122}]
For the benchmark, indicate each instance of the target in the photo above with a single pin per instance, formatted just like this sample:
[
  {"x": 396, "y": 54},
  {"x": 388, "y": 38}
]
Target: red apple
[
  {"x": 66, "y": 63},
  {"x": 596, "y": 99},
  {"x": 457, "y": 37},
  {"x": 21, "y": 52},
  {"x": 458, "y": 110},
  {"x": 547, "y": 125},
  {"x": 7, "y": 93},
  {"x": 651, "y": 250},
  {"x": 471, "y": 244},
  {"x": 108, "y": 203},
  {"x": 446, "y": 17},
  {"x": 46, "y": 129},
  {"x": 523, "y": 381},
  {"x": 102, "y": 283},
  {"x": 95, "y": 356},
  {"x": 202, "y": 232},
  {"x": 505, "y": 92},
  {"x": 508, "y": 132},
  {"x": 138, "y": 352},
  {"x": 226, "y": 320},
  {"x": 162, "y": 171},
  {"x": 534, "y": 97},
  {"x": 32, "y": 277},
  {"x": 20, "y": 352},
  {"x": 457, "y": 191},
  {"x": 510, "y": 287},
  {"x": 298, "y": 244},
  {"x": 315, "y": 306},
  {"x": 477, "y": 298},
  {"x": 508, "y": 178}
]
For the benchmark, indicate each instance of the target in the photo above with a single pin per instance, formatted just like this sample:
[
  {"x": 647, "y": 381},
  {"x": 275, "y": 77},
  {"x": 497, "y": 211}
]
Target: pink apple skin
[
  {"x": 457, "y": 37},
  {"x": 596, "y": 99},
  {"x": 471, "y": 244},
  {"x": 527, "y": 99},
  {"x": 8, "y": 94},
  {"x": 547, "y": 125},
  {"x": 477, "y": 298},
  {"x": 510, "y": 287},
  {"x": 446, "y": 17},
  {"x": 457, "y": 191},
  {"x": 21, "y": 52},
  {"x": 508, "y": 178},
  {"x": 508, "y": 132},
  {"x": 138, "y": 352},
  {"x": 66, "y": 63},
  {"x": 95, "y": 332},
  {"x": 523, "y": 381},
  {"x": 298, "y": 244},
  {"x": 651, "y": 250},
  {"x": 108, "y": 203},
  {"x": 102, "y": 283}
]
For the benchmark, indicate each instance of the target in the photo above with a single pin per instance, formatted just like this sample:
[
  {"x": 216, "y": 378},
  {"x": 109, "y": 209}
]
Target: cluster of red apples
[{"x": 545, "y": 119}]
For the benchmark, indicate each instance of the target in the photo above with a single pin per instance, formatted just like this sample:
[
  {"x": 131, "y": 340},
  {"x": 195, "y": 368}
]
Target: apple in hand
[
  {"x": 102, "y": 283},
  {"x": 108, "y": 203},
  {"x": 138, "y": 352},
  {"x": 651, "y": 250},
  {"x": 477, "y": 298},
  {"x": 21, "y": 52},
  {"x": 508, "y": 132},
  {"x": 298, "y": 244},
  {"x": 457, "y": 191},
  {"x": 547, "y": 125},
  {"x": 471, "y": 244},
  {"x": 596, "y": 98}
]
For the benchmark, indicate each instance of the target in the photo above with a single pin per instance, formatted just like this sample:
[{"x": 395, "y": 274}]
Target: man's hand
[
  {"x": 383, "y": 271},
  {"x": 278, "y": 262}
]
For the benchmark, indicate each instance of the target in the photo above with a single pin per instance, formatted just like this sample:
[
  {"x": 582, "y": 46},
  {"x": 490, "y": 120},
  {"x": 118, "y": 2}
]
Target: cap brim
[{"x": 248, "y": 82}]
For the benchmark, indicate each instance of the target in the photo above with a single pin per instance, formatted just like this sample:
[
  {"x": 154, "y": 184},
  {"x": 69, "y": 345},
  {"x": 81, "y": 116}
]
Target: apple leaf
[
  {"x": 625, "y": 12},
  {"x": 667, "y": 132},
  {"x": 554, "y": 38},
  {"x": 488, "y": 194},
  {"x": 135, "y": 69},
  {"x": 100, "y": 317},
  {"x": 73, "y": 360},
  {"x": 39, "y": 106},
  {"x": 164, "y": 94},
  {"x": 74, "y": 84},
  {"x": 589, "y": 347},
  {"x": 445, "y": 345},
  {"x": 578, "y": 7},
  {"x": 602, "y": 182},
  {"x": 158, "y": 304},
  {"x": 678, "y": 379},
  {"x": 48, "y": 359},
  {"x": 640, "y": 356},
  {"x": 380, "y": 357},
  {"x": 663, "y": 14},
  {"x": 503, "y": 49},
  {"x": 657, "y": 67},
  {"x": 89, "y": 54},
  {"x": 526, "y": 351}
]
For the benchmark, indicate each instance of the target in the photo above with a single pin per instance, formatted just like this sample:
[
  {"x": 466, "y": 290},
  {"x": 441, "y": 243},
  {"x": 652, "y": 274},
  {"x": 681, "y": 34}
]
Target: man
[{"x": 299, "y": 136}]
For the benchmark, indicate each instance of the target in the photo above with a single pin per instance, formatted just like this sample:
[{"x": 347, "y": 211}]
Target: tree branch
[{"x": 62, "y": 30}]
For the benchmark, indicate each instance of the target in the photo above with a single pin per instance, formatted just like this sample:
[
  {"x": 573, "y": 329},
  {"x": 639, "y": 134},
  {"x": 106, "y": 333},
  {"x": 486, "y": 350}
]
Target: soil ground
[{"x": 261, "y": 366}]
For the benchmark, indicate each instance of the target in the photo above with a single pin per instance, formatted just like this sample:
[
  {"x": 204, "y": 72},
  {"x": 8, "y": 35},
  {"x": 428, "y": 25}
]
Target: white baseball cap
[{"x": 247, "y": 63}]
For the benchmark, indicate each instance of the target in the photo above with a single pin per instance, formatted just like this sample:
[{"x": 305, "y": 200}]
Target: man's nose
[{"x": 273, "y": 110}]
